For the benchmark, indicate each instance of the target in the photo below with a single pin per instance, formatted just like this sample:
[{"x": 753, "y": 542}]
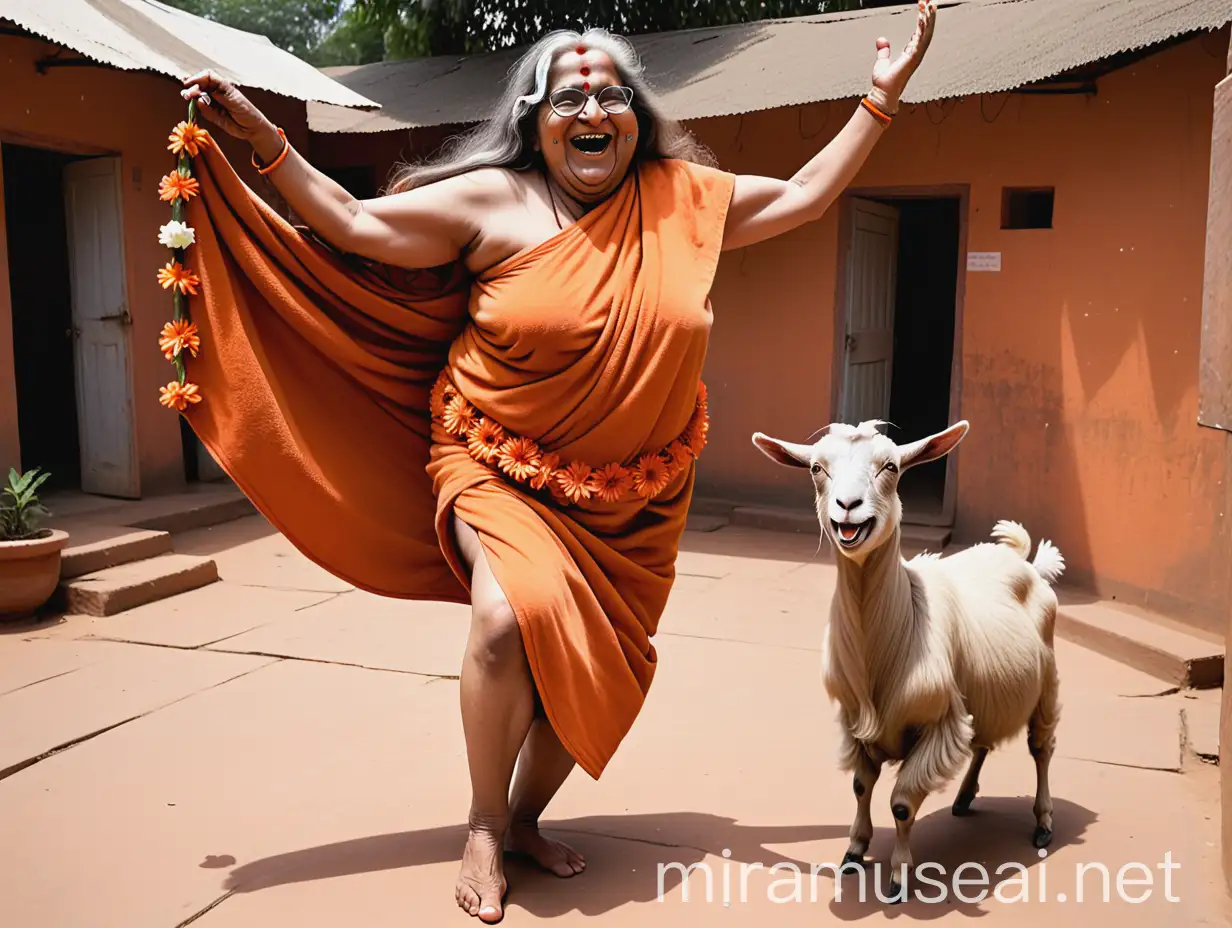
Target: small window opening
[{"x": 1026, "y": 208}]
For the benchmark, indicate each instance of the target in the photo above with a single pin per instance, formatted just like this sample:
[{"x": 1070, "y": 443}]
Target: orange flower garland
[
  {"x": 180, "y": 336},
  {"x": 521, "y": 459}
]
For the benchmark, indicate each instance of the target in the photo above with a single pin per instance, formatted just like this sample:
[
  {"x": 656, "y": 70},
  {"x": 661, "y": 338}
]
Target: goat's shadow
[{"x": 644, "y": 859}]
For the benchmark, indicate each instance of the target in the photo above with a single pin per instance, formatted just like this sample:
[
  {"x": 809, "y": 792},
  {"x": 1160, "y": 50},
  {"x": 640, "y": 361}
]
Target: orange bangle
[
  {"x": 286, "y": 148},
  {"x": 881, "y": 117}
]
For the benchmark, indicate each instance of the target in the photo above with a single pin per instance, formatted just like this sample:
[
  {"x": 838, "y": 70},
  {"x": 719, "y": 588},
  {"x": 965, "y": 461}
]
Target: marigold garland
[
  {"x": 521, "y": 459},
  {"x": 180, "y": 336}
]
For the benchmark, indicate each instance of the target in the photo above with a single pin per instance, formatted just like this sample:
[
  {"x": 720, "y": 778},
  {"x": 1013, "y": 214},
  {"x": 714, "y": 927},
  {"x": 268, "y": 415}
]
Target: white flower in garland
[{"x": 176, "y": 235}]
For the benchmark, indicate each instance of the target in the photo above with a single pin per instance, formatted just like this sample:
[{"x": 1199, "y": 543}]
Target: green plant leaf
[{"x": 24, "y": 480}]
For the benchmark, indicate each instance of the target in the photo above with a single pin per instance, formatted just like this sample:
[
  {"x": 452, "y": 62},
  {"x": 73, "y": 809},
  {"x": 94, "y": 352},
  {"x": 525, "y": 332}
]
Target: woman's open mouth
[
  {"x": 852, "y": 534},
  {"x": 593, "y": 143}
]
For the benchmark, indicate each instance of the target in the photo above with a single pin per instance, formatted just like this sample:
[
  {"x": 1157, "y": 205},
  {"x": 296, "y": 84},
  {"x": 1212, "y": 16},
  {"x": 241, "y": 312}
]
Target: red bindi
[
  {"x": 581, "y": 49},
  {"x": 585, "y": 72},
  {"x": 586, "y": 86}
]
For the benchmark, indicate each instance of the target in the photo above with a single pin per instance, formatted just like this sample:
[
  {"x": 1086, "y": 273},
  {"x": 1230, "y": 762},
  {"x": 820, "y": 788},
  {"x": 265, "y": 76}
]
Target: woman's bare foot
[
  {"x": 481, "y": 881},
  {"x": 553, "y": 856}
]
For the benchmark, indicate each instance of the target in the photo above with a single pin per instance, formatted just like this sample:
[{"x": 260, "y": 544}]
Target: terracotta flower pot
[{"x": 29, "y": 573}]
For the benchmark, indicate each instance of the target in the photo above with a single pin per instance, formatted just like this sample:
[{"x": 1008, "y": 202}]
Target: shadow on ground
[{"x": 998, "y": 832}]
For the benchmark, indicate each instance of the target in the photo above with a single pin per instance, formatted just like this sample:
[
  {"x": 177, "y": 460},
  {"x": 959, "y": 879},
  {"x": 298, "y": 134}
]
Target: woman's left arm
[{"x": 763, "y": 207}]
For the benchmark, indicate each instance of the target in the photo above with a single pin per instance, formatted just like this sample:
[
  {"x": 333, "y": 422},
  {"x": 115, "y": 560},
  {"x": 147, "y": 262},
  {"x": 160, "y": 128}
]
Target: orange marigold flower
[
  {"x": 697, "y": 433},
  {"x": 548, "y": 465},
  {"x": 442, "y": 395},
  {"x": 179, "y": 336},
  {"x": 574, "y": 481},
  {"x": 611, "y": 482},
  {"x": 676, "y": 457},
  {"x": 179, "y": 395},
  {"x": 650, "y": 476},
  {"x": 519, "y": 458},
  {"x": 484, "y": 440},
  {"x": 174, "y": 274},
  {"x": 188, "y": 137},
  {"x": 701, "y": 393},
  {"x": 175, "y": 186},
  {"x": 459, "y": 416}
]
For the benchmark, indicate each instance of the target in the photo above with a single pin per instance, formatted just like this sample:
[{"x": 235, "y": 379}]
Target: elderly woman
[{"x": 484, "y": 387}]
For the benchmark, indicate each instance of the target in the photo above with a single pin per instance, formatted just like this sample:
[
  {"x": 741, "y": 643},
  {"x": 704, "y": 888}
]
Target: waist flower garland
[{"x": 523, "y": 461}]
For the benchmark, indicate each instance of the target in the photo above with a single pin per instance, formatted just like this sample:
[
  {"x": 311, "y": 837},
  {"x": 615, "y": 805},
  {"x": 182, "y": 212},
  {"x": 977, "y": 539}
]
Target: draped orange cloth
[{"x": 318, "y": 370}]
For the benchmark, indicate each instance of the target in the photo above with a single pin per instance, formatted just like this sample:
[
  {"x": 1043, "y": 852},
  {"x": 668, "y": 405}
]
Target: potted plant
[{"x": 29, "y": 555}]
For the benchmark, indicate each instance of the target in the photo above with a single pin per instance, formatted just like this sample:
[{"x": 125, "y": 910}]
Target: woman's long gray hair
[{"x": 506, "y": 139}]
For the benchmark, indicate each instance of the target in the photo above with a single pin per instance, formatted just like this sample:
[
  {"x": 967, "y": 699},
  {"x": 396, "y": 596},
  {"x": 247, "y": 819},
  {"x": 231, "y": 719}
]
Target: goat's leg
[
  {"x": 970, "y": 784},
  {"x": 937, "y": 756},
  {"x": 865, "y": 775},
  {"x": 1042, "y": 742}
]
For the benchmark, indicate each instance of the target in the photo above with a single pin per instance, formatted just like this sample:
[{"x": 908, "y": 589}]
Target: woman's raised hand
[
  {"x": 890, "y": 77},
  {"x": 221, "y": 103}
]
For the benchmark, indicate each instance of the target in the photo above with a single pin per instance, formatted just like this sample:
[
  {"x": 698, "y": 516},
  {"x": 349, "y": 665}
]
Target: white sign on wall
[{"x": 984, "y": 261}]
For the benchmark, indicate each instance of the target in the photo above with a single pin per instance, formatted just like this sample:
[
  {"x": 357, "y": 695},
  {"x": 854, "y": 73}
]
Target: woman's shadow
[{"x": 646, "y": 858}]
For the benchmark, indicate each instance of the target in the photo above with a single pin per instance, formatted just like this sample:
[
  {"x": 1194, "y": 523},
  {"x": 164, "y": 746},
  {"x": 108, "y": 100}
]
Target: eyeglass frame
[{"x": 628, "y": 92}]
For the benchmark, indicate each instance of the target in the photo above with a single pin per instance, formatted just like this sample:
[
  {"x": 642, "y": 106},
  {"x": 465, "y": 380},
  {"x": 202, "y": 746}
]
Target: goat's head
[{"x": 855, "y": 476}]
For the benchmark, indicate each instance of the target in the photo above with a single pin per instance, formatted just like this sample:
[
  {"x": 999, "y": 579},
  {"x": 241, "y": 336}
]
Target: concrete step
[
  {"x": 127, "y": 586},
  {"x": 1148, "y": 643},
  {"x": 187, "y": 515},
  {"x": 93, "y": 547},
  {"x": 934, "y": 538},
  {"x": 203, "y": 506}
]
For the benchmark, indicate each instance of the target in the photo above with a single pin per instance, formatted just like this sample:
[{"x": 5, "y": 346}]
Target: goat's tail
[{"x": 1048, "y": 560}]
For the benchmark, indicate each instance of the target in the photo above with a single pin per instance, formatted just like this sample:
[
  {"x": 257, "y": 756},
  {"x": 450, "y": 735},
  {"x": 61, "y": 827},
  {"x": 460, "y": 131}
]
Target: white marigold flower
[{"x": 176, "y": 235}]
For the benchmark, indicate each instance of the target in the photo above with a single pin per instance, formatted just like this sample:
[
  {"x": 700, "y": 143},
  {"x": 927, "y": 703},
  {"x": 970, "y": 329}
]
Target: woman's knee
[{"x": 496, "y": 639}]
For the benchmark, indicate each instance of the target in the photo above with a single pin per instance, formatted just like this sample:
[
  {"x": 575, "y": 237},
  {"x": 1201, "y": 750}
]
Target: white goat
[{"x": 931, "y": 661}]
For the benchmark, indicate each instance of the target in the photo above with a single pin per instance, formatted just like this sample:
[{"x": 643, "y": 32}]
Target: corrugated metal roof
[
  {"x": 146, "y": 35},
  {"x": 980, "y": 46}
]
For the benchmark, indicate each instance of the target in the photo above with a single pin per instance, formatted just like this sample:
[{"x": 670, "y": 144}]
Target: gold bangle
[{"x": 286, "y": 148}]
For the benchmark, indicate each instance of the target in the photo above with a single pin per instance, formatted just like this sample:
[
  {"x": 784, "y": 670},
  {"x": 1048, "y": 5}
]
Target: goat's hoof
[
  {"x": 897, "y": 896},
  {"x": 962, "y": 805},
  {"x": 851, "y": 858},
  {"x": 1043, "y": 837}
]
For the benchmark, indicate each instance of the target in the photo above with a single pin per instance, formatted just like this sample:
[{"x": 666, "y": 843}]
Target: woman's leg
[
  {"x": 543, "y": 766},
  {"x": 497, "y": 711}
]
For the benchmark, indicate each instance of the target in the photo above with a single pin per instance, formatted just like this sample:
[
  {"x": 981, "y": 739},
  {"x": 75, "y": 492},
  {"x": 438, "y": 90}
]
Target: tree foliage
[
  {"x": 321, "y": 32},
  {"x": 434, "y": 27}
]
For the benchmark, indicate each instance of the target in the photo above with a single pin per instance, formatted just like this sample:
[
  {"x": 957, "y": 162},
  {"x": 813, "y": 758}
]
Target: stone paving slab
[
  {"x": 249, "y": 552},
  {"x": 215, "y": 614},
  {"x": 125, "y": 682},
  {"x": 369, "y": 631},
  {"x": 141, "y": 823}
]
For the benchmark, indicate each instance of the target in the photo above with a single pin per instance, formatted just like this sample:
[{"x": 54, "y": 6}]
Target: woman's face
[{"x": 586, "y": 148}]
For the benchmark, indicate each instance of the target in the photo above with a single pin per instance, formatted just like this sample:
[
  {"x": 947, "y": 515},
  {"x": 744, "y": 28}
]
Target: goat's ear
[
  {"x": 934, "y": 446},
  {"x": 783, "y": 452}
]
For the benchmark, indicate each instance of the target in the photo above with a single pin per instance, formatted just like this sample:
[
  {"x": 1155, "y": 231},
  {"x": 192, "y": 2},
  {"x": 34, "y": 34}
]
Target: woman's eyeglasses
[{"x": 569, "y": 101}]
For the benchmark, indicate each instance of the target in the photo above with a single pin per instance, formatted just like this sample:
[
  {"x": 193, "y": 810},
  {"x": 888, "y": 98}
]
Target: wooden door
[
  {"x": 101, "y": 326},
  {"x": 868, "y": 337}
]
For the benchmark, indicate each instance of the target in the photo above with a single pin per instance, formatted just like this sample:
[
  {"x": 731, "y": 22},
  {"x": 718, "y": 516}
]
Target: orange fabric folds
[{"x": 321, "y": 399}]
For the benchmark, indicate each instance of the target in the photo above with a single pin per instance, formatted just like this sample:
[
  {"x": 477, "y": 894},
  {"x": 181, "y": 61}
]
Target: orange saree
[{"x": 554, "y": 403}]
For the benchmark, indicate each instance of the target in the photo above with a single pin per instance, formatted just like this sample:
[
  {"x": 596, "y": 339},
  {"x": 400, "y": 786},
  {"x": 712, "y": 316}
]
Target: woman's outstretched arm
[
  {"x": 424, "y": 227},
  {"x": 763, "y": 207}
]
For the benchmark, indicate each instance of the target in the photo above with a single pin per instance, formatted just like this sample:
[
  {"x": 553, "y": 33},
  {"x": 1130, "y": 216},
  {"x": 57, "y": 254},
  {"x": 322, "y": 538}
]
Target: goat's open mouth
[
  {"x": 852, "y": 534},
  {"x": 595, "y": 143}
]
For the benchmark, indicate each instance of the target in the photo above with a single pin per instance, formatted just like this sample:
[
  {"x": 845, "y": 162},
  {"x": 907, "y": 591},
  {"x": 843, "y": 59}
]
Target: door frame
[{"x": 961, "y": 192}]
